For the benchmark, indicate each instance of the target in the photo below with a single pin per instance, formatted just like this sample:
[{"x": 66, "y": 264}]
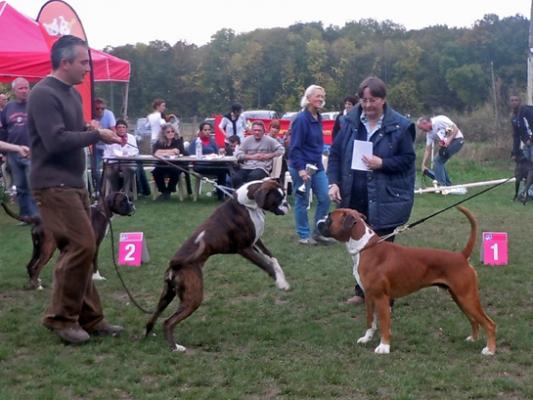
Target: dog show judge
[{"x": 58, "y": 136}]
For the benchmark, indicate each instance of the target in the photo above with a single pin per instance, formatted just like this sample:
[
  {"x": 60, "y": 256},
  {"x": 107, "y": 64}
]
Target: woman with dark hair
[
  {"x": 385, "y": 191},
  {"x": 168, "y": 144},
  {"x": 209, "y": 146}
]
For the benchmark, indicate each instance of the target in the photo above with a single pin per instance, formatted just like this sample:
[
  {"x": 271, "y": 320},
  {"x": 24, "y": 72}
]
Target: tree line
[{"x": 433, "y": 69}]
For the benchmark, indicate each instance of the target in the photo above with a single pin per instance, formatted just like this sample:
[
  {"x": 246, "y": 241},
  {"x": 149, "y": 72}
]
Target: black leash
[{"x": 120, "y": 276}]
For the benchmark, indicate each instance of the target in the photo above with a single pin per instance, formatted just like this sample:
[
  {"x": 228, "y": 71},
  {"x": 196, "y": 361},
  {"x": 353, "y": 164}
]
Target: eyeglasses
[
  {"x": 370, "y": 100},
  {"x": 100, "y": 108},
  {"x": 170, "y": 131}
]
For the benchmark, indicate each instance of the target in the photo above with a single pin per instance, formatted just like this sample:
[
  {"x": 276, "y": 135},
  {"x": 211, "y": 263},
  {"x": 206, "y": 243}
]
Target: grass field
[{"x": 250, "y": 341}]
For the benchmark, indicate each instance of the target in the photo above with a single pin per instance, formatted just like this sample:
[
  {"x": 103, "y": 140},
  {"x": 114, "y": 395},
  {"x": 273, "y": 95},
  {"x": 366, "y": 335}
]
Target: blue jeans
[
  {"x": 20, "y": 171},
  {"x": 440, "y": 172},
  {"x": 319, "y": 184}
]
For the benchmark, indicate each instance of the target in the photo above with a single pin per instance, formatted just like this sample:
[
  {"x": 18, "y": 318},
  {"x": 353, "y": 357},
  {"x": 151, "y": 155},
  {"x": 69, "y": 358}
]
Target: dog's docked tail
[{"x": 467, "y": 251}]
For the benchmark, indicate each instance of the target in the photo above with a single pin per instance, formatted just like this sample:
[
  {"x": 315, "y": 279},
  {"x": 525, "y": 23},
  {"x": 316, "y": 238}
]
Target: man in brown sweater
[{"x": 58, "y": 136}]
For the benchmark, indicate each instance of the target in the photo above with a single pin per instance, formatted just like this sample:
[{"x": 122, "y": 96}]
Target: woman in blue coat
[
  {"x": 384, "y": 193},
  {"x": 305, "y": 165}
]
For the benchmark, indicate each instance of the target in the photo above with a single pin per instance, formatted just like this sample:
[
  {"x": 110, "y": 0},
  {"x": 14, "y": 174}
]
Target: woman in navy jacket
[
  {"x": 305, "y": 150},
  {"x": 385, "y": 193}
]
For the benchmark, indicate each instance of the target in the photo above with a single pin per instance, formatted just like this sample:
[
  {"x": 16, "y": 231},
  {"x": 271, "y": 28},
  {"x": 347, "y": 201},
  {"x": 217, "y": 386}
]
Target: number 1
[{"x": 494, "y": 249}]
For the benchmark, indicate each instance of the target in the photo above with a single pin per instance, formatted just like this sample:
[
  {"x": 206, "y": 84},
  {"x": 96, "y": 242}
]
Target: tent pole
[{"x": 125, "y": 105}]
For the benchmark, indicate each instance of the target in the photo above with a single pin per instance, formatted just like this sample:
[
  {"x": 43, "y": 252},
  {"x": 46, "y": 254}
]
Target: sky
[{"x": 119, "y": 22}]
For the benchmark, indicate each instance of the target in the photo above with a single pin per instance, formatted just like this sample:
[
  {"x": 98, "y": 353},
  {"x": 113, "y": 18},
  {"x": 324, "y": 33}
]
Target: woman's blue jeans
[
  {"x": 319, "y": 184},
  {"x": 440, "y": 171}
]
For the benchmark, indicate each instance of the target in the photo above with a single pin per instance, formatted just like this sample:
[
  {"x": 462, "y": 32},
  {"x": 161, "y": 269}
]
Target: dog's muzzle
[
  {"x": 283, "y": 208},
  {"x": 323, "y": 226}
]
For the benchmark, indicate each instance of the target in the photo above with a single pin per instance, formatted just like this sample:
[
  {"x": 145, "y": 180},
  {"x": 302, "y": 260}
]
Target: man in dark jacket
[
  {"x": 385, "y": 191},
  {"x": 522, "y": 122}
]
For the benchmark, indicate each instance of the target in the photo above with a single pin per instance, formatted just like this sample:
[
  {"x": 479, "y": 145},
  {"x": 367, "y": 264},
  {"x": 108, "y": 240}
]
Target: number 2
[{"x": 130, "y": 249}]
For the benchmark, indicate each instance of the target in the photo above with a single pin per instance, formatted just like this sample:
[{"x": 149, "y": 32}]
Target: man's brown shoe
[
  {"x": 72, "y": 335},
  {"x": 105, "y": 329},
  {"x": 355, "y": 300}
]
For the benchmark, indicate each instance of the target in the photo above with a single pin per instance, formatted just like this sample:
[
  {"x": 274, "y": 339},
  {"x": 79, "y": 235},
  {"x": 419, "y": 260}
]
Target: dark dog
[
  {"x": 44, "y": 243},
  {"x": 523, "y": 172},
  {"x": 388, "y": 271},
  {"x": 234, "y": 227}
]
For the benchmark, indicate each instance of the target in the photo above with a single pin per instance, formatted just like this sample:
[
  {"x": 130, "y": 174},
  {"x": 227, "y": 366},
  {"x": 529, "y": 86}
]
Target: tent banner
[{"x": 58, "y": 19}]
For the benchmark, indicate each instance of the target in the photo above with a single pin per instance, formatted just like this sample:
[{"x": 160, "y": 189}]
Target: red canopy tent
[{"x": 24, "y": 52}]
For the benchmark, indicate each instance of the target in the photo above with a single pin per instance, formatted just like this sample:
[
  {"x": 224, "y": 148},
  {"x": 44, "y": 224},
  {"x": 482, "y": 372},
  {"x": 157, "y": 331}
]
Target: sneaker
[
  {"x": 105, "y": 329},
  {"x": 72, "y": 335},
  {"x": 307, "y": 241},
  {"x": 355, "y": 300},
  {"x": 324, "y": 240}
]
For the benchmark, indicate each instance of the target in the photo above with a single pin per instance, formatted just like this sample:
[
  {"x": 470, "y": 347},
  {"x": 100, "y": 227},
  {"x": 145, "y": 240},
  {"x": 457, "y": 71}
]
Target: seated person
[
  {"x": 115, "y": 170},
  {"x": 233, "y": 143},
  {"x": 209, "y": 146},
  {"x": 256, "y": 154},
  {"x": 168, "y": 144}
]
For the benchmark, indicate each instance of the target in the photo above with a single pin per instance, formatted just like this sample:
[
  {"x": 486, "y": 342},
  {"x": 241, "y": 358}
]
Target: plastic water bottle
[{"x": 198, "y": 148}]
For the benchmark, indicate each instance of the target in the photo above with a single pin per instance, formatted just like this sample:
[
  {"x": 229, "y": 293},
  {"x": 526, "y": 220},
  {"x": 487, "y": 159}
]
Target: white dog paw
[
  {"x": 487, "y": 352},
  {"x": 470, "y": 339},
  {"x": 179, "y": 348},
  {"x": 382, "y": 349},
  {"x": 283, "y": 285},
  {"x": 369, "y": 334}
]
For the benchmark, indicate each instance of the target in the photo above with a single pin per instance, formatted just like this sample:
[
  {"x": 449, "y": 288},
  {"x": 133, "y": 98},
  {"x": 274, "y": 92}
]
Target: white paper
[{"x": 361, "y": 148}]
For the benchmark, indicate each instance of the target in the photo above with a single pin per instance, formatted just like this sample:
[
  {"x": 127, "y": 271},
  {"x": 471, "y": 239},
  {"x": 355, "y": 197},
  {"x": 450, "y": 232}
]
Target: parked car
[
  {"x": 329, "y": 115},
  {"x": 261, "y": 114},
  {"x": 290, "y": 115}
]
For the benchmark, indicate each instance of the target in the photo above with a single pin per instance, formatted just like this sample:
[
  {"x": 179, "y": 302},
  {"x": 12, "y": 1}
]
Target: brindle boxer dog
[
  {"x": 387, "y": 271},
  {"x": 523, "y": 172},
  {"x": 236, "y": 226},
  {"x": 44, "y": 244}
]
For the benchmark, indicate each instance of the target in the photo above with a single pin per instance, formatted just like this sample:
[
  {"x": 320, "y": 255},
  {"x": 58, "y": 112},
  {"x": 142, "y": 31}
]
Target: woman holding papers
[{"x": 371, "y": 165}]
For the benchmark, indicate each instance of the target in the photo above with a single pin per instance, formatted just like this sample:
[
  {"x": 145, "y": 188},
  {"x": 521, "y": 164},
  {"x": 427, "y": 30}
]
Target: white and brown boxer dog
[
  {"x": 44, "y": 243},
  {"x": 235, "y": 227},
  {"x": 387, "y": 271}
]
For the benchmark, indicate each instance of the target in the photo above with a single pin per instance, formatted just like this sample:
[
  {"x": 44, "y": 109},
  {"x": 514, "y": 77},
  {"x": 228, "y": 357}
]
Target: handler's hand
[
  {"x": 373, "y": 162},
  {"x": 335, "y": 193},
  {"x": 304, "y": 175},
  {"x": 24, "y": 151},
  {"x": 108, "y": 136}
]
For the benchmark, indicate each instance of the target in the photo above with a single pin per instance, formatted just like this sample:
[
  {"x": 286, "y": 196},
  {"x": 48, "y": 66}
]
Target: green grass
[{"x": 249, "y": 340}]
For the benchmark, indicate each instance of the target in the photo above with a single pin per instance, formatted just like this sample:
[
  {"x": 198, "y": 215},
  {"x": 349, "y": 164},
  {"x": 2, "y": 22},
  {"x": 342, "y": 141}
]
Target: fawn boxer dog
[
  {"x": 236, "y": 226},
  {"x": 44, "y": 243},
  {"x": 523, "y": 172},
  {"x": 387, "y": 271}
]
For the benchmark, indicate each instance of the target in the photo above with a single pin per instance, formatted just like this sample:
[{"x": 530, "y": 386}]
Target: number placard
[
  {"x": 494, "y": 248},
  {"x": 130, "y": 248}
]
